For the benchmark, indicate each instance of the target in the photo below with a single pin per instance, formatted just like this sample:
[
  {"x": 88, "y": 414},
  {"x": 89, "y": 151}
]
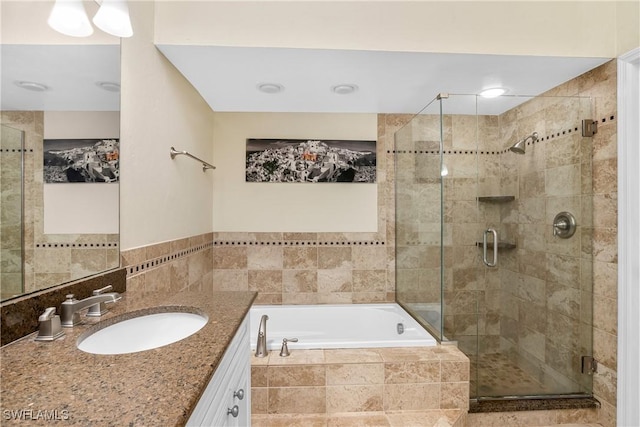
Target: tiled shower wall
[
  {"x": 52, "y": 258},
  {"x": 11, "y": 193}
]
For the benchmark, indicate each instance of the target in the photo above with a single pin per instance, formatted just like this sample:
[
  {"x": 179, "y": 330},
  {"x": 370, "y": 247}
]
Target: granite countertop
[{"x": 157, "y": 387}]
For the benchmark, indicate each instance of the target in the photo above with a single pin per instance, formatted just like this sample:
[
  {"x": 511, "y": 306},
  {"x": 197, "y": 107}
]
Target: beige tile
[
  {"x": 344, "y": 356},
  {"x": 335, "y": 280},
  {"x": 298, "y": 357},
  {"x": 412, "y": 372},
  {"x": 335, "y": 257},
  {"x": 414, "y": 397},
  {"x": 454, "y": 371},
  {"x": 354, "y": 373},
  {"x": 454, "y": 395},
  {"x": 369, "y": 257},
  {"x": 369, "y": 280},
  {"x": 229, "y": 257},
  {"x": 512, "y": 419},
  {"x": 292, "y": 420},
  {"x": 259, "y": 376},
  {"x": 264, "y": 257},
  {"x": 299, "y": 281},
  {"x": 605, "y": 178},
  {"x": 259, "y": 400},
  {"x": 297, "y": 400},
  {"x": 354, "y": 398},
  {"x": 265, "y": 281},
  {"x": 358, "y": 420},
  {"x": 296, "y": 376},
  {"x": 230, "y": 280},
  {"x": 300, "y": 258},
  {"x": 433, "y": 418}
]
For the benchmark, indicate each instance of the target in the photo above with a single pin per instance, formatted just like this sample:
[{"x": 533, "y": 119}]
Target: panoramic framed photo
[
  {"x": 81, "y": 160},
  {"x": 310, "y": 160}
]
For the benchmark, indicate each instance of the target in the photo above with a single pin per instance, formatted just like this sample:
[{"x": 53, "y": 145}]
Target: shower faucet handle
[{"x": 284, "y": 351}]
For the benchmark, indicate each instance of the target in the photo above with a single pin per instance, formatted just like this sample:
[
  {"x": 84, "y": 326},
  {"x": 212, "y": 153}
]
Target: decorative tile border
[
  {"x": 16, "y": 150},
  {"x": 298, "y": 243},
  {"x": 482, "y": 152},
  {"x": 77, "y": 245},
  {"x": 155, "y": 262}
]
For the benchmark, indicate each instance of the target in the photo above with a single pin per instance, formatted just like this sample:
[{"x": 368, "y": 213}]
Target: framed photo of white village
[{"x": 310, "y": 160}]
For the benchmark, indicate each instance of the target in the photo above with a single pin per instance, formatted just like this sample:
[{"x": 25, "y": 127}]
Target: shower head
[{"x": 520, "y": 146}]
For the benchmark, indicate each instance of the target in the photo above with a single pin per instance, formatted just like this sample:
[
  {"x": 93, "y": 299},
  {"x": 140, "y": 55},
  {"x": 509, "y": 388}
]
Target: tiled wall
[
  {"x": 363, "y": 380},
  {"x": 52, "y": 258},
  {"x": 169, "y": 266},
  {"x": 318, "y": 268},
  {"x": 545, "y": 282},
  {"x": 11, "y": 193}
]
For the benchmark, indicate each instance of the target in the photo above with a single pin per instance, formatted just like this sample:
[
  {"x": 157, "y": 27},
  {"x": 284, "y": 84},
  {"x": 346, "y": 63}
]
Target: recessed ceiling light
[
  {"x": 344, "y": 89},
  {"x": 32, "y": 86},
  {"x": 270, "y": 87},
  {"x": 493, "y": 92},
  {"x": 109, "y": 86}
]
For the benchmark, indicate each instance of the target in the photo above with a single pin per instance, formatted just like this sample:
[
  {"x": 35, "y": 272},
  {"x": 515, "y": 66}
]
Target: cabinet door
[{"x": 232, "y": 374}]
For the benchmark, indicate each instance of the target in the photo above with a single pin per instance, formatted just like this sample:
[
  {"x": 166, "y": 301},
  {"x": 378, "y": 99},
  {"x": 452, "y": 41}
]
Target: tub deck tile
[
  {"x": 435, "y": 418},
  {"x": 356, "y": 355}
]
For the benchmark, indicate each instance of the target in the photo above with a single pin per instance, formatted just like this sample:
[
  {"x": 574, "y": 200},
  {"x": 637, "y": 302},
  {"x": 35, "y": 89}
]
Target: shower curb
[{"x": 512, "y": 405}]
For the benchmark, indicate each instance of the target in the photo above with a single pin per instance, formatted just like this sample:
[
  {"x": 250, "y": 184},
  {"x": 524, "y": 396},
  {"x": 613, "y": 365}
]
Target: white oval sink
[{"x": 142, "y": 333}]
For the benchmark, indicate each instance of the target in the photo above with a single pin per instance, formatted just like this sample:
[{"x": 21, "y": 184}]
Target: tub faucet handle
[{"x": 284, "y": 351}]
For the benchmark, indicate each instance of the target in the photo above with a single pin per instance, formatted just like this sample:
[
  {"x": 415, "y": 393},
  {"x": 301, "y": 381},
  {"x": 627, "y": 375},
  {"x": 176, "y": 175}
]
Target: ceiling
[
  {"x": 227, "y": 78},
  {"x": 388, "y": 82},
  {"x": 71, "y": 73}
]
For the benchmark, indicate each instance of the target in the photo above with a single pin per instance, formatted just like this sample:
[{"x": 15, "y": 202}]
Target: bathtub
[{"x": 339, "y": 326}]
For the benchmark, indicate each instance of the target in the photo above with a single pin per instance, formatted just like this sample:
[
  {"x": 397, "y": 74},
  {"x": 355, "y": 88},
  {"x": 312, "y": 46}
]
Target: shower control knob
[{"x": 564, "y": 225}]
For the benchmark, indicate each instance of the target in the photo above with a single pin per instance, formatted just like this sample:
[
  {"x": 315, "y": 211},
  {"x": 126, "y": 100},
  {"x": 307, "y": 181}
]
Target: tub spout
[{"x": 261, "y": 345}]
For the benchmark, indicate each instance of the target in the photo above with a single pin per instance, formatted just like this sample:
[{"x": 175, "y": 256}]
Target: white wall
[
  {"x": 551, "y": 28},
  {"x": 292, "y": 207},
  {"x": 160, "y": 199},
  {"x": 81, "y": 208},
  {"x": 627, "y": 26}
]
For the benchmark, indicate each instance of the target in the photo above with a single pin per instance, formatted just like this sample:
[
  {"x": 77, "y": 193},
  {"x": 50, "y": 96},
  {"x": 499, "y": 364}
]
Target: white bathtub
[{"x": 339, "y": 326}]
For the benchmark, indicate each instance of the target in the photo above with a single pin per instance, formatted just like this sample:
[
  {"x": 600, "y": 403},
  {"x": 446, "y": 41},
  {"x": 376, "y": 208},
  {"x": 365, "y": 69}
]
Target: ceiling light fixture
[
  {"x": 32, "y": 86},
  {"x": 493, "y": 92},
  {"x": 270, "y": 87},
  {"x": 70, "y": 18},
  {"x": 344, "y": 89},
  {"x": 109, "y": 86}
]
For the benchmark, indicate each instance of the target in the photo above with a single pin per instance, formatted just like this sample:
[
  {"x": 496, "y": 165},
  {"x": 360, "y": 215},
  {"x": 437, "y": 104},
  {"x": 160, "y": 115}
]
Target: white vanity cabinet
[{"x": 227, "y": 399}]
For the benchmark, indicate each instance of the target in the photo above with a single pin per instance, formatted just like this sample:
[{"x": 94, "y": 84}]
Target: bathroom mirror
[{"x": 56, "y": 232}]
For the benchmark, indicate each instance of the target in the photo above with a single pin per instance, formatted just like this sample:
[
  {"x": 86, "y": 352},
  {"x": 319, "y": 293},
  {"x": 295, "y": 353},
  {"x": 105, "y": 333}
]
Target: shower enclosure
[
  {"x": 494, "y": 235},
  {"x": 11, "y": 189}
]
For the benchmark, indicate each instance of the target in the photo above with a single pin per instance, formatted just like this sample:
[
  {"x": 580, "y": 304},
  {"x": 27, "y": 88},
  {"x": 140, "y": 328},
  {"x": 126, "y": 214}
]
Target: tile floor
[{"x": 499, "y": 376}]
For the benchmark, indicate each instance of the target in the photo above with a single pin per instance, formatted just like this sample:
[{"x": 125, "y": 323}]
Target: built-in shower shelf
[
  {"x": 501, "y": 245},
  {"x": 496, "y": 199}
]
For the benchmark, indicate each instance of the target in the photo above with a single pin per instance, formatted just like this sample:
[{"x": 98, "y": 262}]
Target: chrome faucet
[
  {"x": 261, "y": 345},
  {"x": 69, "y": 311}
]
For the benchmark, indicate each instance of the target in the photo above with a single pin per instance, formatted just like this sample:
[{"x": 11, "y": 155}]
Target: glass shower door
[
  {"x": 420, "y": 235},
  {"x": 534, "y": 180},
  {"x": 522, "y": 167}
]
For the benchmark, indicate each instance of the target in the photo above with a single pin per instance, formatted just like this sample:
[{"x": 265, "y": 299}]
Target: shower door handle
[{"x": 495, "y": 247}]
